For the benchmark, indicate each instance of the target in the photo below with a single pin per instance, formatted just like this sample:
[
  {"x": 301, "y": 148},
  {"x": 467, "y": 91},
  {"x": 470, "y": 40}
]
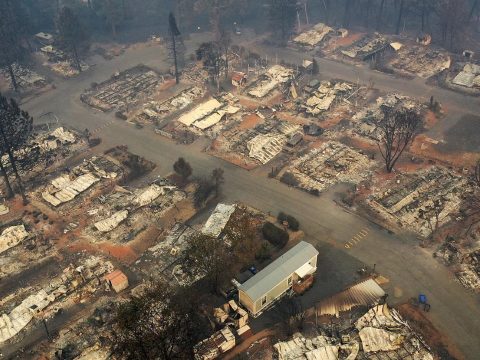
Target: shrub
[
  {"x": 121, "y": 115},
  {"x": 275, "y": 235},
  {"x": 264, "y": 253},
  {"x": 282, "y": 217},
  {"x": 94, "y": 142},
  {"x": 289, "y": 179},
  {"x": 293, "y": 223}
]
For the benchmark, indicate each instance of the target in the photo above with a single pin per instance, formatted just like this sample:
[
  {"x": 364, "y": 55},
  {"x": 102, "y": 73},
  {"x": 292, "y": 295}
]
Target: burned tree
[
  {"x": 224, "y": 44},
  {"x": 10, "y": 43},
  {"x": 400, "y": 16},
  {"x": 182, "y": 168},
  {"x": 218, "y": 179},
  {"x": 210, "y": 256},
  {"x": 211, "y": 55},
  {"x": 71, "y": 35},
  {"x": 282, "y": 18},
  {"x": 113, "y": 11},
  {"x": 452, "y": 16},
  {"x": 175, "y": 46},
  {"x": 16, "y": 128},
  {"x": 398, "y": 128},
  {"x": 161, "y": 323},
  {"x": 3, "y": 169}
]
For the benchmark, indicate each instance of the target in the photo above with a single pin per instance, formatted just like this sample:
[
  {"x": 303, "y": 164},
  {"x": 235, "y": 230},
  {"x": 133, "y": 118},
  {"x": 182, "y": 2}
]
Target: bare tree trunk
[
  {"x": 400, "y": 16},
  {"x": 380, "y": 14},
  {"x": 75, "y": 57},
  {"x": 12, "y": 76},
  {"x": 215, "y": 20},
  {"x": 472, "y": 10},
  {"x": 367, "y": 13},
  {"x": 346, "y": 13},
  {"x": 424, "y": 10},
  {"x": 9, "y": 194},
  {"x": 175, "y": 62},
  {"x": 17, "y": 176}
]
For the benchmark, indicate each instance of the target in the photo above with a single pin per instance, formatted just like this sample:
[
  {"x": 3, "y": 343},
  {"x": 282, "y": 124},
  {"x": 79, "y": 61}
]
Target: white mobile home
[{"x": 276, "y": 279}]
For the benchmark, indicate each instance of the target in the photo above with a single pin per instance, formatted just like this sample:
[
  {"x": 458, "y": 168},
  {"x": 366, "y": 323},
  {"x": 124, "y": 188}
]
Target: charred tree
[
  {"x": 224, "y": 43},
  {"x": 282, "y": 18},
  {"x": 175, "y": 46},
  {"x": 10, "y": 42},
  {"x": 71, "y": 34},
  {"x": 400, "y": 17},
  {"x": 16, "y": 128},
  {"x": 218, "y": 179},
  {"x": 380, "y": 14},
  {"x": 398, "y": 128},
  {"x": 6, "y": 179}
]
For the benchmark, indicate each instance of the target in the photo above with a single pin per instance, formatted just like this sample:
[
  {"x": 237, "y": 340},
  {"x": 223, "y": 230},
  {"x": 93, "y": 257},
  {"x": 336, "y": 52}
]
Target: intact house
[{"x": 268, "y": 285}]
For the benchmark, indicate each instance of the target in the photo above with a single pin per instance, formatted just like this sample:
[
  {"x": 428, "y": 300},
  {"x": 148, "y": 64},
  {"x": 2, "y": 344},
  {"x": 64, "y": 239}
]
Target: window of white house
[
  {"x": 264, "y": 300},
  {"x": 289, "y": 281}
]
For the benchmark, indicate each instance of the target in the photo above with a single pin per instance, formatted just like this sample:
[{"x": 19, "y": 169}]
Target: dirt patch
[
  {"x": 249, "y": 122},
  {"x": 123, "y": 253},
  {"x": 430, "y": 119},
  {"x": 439, "y": 343}
]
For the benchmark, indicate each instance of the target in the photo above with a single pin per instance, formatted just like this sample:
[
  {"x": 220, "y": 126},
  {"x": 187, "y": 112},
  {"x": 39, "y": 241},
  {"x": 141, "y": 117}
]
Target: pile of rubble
[
  {"x": 274, "y": 77},
  {"x": 123, "y": 89},
  {"x": 469, "y": 77},
  {"x": 365, "y": 122},
  {"x": 467, "y": 263},
  {"x": 381, "y": 333},
  {"x": 12, "y": 236},
  {"x": 233, "y": 319},
  {"x": 366, "y": 47},
  {"x": 421, "y": 61},
  {"x": 325, "y": 94},
  {"x": 68, "y": 186},
  {"x": 207, "y": 114},
  {"x": 265, "y": 146},
  {"x": 155, "y": 111},
  {"x": 313, "y": 37},
  {"x": 469, "y": 272},
  {"x": 422, "y": 201},
  {"x": 328, "y": 165},
  {"x": 166, "y": 259},
  {"x": 123, "y": 214},
  {"x": 39, "y": 304},
  {"x": 195, "y": 73},
  {"x": 24, "y": 77}
]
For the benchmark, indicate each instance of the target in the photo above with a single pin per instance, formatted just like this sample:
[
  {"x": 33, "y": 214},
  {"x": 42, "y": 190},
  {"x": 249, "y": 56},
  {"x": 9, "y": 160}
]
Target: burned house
[
  {"x": 313, "y": 37},
  {"x": 156, "y": 111},
  {"x": 272, "y": 79},
  {"x": 422, "y": 201},
  {"x": 328, "y": 165},
  {"x": 123, "y": 89},
  {"x": 366, "y": 48}
]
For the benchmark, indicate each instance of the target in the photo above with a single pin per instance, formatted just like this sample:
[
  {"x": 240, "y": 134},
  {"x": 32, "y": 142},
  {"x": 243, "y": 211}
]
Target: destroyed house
[{"x": 268, "y": 285}]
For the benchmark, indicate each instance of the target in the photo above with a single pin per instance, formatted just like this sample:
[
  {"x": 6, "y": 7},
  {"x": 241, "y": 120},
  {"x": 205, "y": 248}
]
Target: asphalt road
[{"x": 410, "y": 268}]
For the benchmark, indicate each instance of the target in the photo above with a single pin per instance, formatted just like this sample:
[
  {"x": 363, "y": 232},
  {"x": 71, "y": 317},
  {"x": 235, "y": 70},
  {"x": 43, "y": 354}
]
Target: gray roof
[{"x": 279, "y": 270}]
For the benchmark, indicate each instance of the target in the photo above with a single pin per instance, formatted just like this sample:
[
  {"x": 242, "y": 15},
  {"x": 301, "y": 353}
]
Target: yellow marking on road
[{"x": 358, "y": 237}]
